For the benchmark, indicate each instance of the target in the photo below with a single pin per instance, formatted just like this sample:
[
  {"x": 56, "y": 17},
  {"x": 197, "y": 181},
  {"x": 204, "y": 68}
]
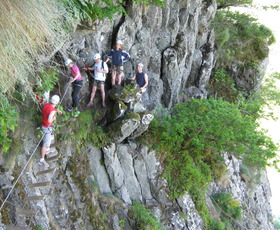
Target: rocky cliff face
[{"x": 95, "y": 188}]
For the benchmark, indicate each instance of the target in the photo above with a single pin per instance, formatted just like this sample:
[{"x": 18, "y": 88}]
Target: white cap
[
  {"x": 96, "y": 56},
  {"x": 140, "y": 64},
  {"x": 67, "y": 62},
  {"x": 119, "y": 42},
  {"x": 55, "y": 99}
]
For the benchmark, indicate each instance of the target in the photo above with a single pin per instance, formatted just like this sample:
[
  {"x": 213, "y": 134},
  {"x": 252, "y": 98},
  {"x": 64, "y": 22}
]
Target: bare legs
[
  {"x": 43, "y": 151},
  {"x": 102, "y": 91},
  {"x": 119, "y": 75}
]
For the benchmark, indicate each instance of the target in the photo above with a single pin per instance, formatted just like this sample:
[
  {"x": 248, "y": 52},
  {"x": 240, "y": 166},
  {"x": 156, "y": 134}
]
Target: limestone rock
[{"x": 124, "y": 127}]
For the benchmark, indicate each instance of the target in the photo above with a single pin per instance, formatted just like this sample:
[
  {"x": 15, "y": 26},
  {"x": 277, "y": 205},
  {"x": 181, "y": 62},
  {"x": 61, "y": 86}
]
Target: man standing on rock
[
  {"x": 48, "y": 117},
  {"x": 141, "y": 78},
  {"x": 100, "y": 70}
]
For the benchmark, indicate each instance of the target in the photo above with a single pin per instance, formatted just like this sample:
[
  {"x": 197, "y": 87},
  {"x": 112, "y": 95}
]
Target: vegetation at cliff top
[{"x": 241, "y": 40}]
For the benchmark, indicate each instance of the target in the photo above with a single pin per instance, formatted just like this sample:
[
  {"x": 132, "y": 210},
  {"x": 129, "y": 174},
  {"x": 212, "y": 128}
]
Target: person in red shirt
[{"x": 48, "y": 118}]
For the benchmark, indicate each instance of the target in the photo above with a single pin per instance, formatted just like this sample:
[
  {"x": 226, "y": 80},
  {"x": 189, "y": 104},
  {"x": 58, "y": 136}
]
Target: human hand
[{"x": 59, "y": 112}]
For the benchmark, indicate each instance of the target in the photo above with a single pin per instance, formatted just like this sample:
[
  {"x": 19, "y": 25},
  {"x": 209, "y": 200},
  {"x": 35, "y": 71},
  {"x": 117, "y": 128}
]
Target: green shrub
[
  {"x": 49, "y": 78},
  {"x": 200, "y": 126},
  {"x": 143, "y": 217},
  {"x": 8, "y": 122},
  {"x": 223, "y": 86},
  {"x": 183, "y": 173},
  {"x": 102, "y": 9},
  {"x": 216, "y": 225},
  {"x": 85, "y": 130},
  {"x": 240, "y": 39},
  {"x": 190, "y": 137},
  {"x": 228, "y": 205}
]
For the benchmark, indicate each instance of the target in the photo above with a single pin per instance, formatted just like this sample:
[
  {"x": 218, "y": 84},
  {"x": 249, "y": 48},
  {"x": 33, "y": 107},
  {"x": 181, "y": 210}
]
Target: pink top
[{"x": 75, "y": 71}]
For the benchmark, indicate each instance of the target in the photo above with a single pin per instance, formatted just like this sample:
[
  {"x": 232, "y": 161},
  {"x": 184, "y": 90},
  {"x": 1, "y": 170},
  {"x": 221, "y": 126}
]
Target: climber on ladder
[{"x": 48, "y": 117}]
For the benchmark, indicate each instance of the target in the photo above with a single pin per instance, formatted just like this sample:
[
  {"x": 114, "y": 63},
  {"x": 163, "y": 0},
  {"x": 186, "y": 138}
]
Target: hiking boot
[
  {"x": 90, "y": 104},
  {"x": 69, "y": 110},
  {"x": 43, "y": 162}
]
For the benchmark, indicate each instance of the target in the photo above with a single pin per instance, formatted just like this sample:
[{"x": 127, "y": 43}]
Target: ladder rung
[
  {"x": 45, "y": 171},
  {"x": 26, "y": 212},
  {"x": 40, "y": 184},
  {"x": 67, "y": 130},
  {"x": 58, "y": 144},
  {"x": 34, "y": 198},
  {"x": 53, "y": 158},
  {"x": 12, "y": 227}
]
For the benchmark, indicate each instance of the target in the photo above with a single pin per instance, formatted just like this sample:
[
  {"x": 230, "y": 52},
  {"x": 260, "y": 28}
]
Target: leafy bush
[
  {"x": 240, "y": 39},
  {"x": 86, "y": 131},
  {"x": 143, "y": 217},
  {"x": 191, "y": 136},
  {"x": 87, "y": 10},
  {"x": 223, "y": 86},
  {"x": 216, "y": 225},
  {"x": 104, "y": 9},
  {"x": 229, "y": 206},
  {"x": 200, "y": 126},
  {"x": 184, "y": 173},
  {"x": 8, "y": 122},
  {"x": 49, "y": 78}
]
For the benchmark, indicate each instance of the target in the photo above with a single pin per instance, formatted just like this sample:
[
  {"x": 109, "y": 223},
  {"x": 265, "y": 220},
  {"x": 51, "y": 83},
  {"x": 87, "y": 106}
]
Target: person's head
[
  {"x": 55, "y": 99},
  {"x": 140, "y": 67},
  {"x": 96, "y": 57},
  {"x": 118, "y": 44},
  {"x": 68, "y": 63}
]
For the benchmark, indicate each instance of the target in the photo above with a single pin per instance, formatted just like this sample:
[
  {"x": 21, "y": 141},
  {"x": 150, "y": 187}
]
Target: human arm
[
  {"x": 134, "y": 77},
  {"x": 125, "y": 56},
  {"x": 75, "y": 73},
  {"x": 104, "y": 68},
  {"x": 52, "y": 115},
  {"x": 110, "y": 55}
]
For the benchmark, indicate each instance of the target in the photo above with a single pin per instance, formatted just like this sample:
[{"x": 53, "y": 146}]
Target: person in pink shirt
[{"x": 77, "y": 83}]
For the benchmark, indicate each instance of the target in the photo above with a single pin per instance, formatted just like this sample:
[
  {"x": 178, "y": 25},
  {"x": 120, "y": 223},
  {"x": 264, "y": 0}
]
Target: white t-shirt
[{"x": 97, "y": 75}]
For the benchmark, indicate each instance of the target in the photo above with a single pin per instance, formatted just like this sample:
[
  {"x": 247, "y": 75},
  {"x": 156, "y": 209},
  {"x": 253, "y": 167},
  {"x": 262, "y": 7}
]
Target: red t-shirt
[{"x": 47, "y": 109}]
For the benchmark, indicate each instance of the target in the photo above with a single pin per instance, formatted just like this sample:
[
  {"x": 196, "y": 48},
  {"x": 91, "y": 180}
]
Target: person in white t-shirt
[{"x": 100, "y": 69}]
